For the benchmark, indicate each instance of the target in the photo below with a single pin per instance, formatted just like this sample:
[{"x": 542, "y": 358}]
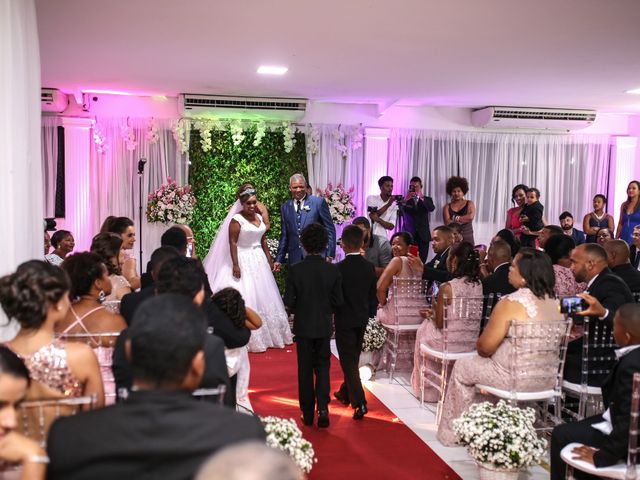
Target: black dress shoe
[
  {"x": 323, "y": 418},
  {"x": 341, "y": 398},
  {"x": 360, "y": 412},
  {"x": 307, "y": 419}
]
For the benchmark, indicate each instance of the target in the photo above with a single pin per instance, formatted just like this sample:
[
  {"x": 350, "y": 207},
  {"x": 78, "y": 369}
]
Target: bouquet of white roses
[
  {"x": 171, "y": 204},
  {"x": 374, "y": 336},
  {"x": 273, "y": 244},
  {"x": 285, "y": 435},
  {"x": 340, "y": 203},
  {"x": 500, "y": 435}
]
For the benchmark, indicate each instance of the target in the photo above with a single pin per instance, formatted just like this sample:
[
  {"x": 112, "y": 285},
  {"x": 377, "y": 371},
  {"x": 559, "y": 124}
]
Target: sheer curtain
[
  {"x": 50, "y": 126},
  {"x": 20, "y": 167}
]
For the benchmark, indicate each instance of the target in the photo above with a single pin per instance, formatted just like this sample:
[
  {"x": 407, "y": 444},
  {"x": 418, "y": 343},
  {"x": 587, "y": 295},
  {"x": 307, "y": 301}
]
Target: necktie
[{"x": 298, "y": 214}]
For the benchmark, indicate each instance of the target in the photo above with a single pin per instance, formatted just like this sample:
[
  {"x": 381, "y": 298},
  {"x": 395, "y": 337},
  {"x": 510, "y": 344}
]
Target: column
[
  {"x": 622, "y": 172},
  {"x": 376, "y": 150}
]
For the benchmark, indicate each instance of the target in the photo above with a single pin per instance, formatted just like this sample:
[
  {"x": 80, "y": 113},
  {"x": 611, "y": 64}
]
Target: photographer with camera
[
  {"x": 383, "y": 208},
  {"x": 415, "y": 211}
]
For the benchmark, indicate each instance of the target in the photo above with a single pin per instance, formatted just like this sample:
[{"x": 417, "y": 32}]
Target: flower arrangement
[
  {"x": 152, "y": 134},
  {"x": 273, "y": 244},
  {"x": 171, "y": 204},
  {"x": 374, "y": 336},
  {"x": 237, "y": 132},
  {"x": 128, "y": 136},
  {"x": 180, "y": 135},
  {"x": 100, "y": 139},
  {"x": 313, "y": 139},
  {"x": 340, "y": 202},
  {"x": 261, "y": 130},
  {"x": 500, "y": 436},
  {"x": 285, "y": 435},
  {"x": 204, "y": 127},
  {"x": 288, "y": 133}
]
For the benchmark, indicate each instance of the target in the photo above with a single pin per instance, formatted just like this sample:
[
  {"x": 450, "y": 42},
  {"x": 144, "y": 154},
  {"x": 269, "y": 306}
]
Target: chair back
[
  {"x": 632, "y": 453},
  {"x": 409, "y": 296},
  {"x": 636, "y": 296},
  {"x": 598, "y": 352},
  {"x": 215, "y": 395},
  {"x": 461, "y": 326},
  {"x": 539, "y": 351}
]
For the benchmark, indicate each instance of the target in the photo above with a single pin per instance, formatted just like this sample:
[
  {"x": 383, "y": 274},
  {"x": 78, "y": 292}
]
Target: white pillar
[
  {"x": 77, "y": 180},
  {"x": 376, "y": 151},
  {"x": 622, "y": 172}
]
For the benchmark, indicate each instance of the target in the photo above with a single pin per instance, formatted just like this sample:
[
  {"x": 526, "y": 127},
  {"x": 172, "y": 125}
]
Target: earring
[{"x": 102, "y": 296}]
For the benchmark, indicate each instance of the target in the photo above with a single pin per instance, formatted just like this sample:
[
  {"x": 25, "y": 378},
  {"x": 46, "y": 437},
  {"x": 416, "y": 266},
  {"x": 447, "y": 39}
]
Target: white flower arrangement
[
  {"x": 171, "y": 204},
  {"x": 285, "y": 435},
  {"x": 288, "y": 133},
  {"x": 374, "y": 336},
  {"x": 128, "y": 136},
  {"x": 204, "y": 127},
  {"x": 313, "y": 139},
  {"x": 100, "y": 139},
  {"x": 152, "y": 134},
  {"x": 261, "y": 130},
  {"x": 237, "y": 132},
  {"x": 357, "y": 137},
  {"x": 340, "y": 202},
  {"x": 273, "y": 244},
  {"x": 180, "y": 135},
  {"x": 500, "y": 435},
  {"x": 340, "y": 144}
]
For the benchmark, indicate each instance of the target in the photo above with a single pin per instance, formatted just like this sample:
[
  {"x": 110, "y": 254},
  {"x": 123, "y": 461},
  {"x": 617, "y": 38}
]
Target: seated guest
[
  {"x": 566, "y": 222},
  {"x": 547, "y": 232},
  {"x": 399, "y": 267},
  {"x": 603, "y": 236},
  {"x": 37, "y": 296},
  {"x": 108, "y": 246},
  {"x": 63, "y": 244},
  {"x": 174, "y": 237},
  {"x": 634, "y": 253},
  {"x": 559, "y": 248},
  {"x": 377, "y": 249},
  {"x": 160, "y": 431},
  {"x": 618, "y": 261},
  {"x": 509, "y": 237},
  {"x": 457, "y": 231},
  {"x": 47, "y": 243},
  {"x": 464, "y": 265},
  {"x": 435, "y": 270},
  {"x": 497, "y": 283},
  {"x": 89, "y": 280},
  {"x": 124, "y": 228},
  {"x": 532, "y": 274},
  {"x": 606, "y": 436}
]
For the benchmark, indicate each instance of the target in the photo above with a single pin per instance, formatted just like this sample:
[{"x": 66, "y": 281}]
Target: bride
[{"x": 239, "y": 258}]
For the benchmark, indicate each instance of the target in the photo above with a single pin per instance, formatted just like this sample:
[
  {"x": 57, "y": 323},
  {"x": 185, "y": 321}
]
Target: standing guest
[
  {"x": 509, "y": 237},
  {"x": 124, "y": 227},
  {"x": 629, "y": 212},
  {"x": 435, "y": 270},
  {"x": 597, "y": 219},
  {"x": 518, "y": 198},
  {"x": 158, "y": 432},
  {"x": 376, "y": 249},
  {"x": 618, "y": 261},
  {"x": 415, "y": 216},
  {"x": 459, "y": 209},
  {"x": 603, "y": 236},
  {"x": 296, "y": 214},
  {"x": 531, "y": 218},
  {"x": 63, "y": 244},
  {"x": 559, "y": 248},
  {"x": 108, "y": 246},
  {"x": 383, "y": 208},
  {"x": 313, "y": 291},
  {"x": 359, "y": 292},
  {"x": 634, "y": 252},
  {"x": 566, "y": 222},
  {"x": 547, "y": 232}
]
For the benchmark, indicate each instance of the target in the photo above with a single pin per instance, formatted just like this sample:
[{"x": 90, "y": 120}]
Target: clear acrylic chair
[
  {"x": 598, "y": 358},
  {"x": 636, "y": 296},
  {"x": 409, "y": 296},
  {"x": 622, "y": 470},
  {"x": 536, "y": 365},
  {"x": 460, "y": 330}
]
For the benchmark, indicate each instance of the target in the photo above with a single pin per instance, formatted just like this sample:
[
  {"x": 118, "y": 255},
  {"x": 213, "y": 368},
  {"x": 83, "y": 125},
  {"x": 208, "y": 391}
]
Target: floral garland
[
  {"x": 340, "y": 202},
  {"x": 237, "y": 132},
  {"x": 128, "y": 136},
  {"x": 357, "y": 137},
  {"x": 313, "y": 140},
  {"x": 338, "y": 136},
  {"x": 374, "y": 336},
  {"x": 288, "y": 132},
  {"x": 285, "y": 435},
  {"x": 171, "y": 204},
  {"x": 100, "y": 139},
  {"x": 204, "y": 127},
  {"x": 500, "y": 435},
  {"x": 152, "y": 134},
  {"x": 180, "y": 135},
  {"x": 261, "y": 130}
]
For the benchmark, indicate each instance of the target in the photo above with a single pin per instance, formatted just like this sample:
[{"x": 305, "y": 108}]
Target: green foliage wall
[{"x": 216, "y": 175}]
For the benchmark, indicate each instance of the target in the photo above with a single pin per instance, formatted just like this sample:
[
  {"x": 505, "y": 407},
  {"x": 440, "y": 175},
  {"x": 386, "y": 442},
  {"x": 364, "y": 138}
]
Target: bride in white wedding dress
[{"x": 239, "y": 258}]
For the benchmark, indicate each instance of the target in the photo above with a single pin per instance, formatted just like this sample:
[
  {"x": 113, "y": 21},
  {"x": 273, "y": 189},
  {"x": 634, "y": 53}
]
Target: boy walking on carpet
[
  {"x": 313, "y": 291},
  {"x": 359, "y": 291}
]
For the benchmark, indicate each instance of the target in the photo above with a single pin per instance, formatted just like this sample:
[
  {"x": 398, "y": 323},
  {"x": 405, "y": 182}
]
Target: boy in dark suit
[
  {"x": 606, "y": 436},
  {"x": 313, "y": 290},
  {"x": 359, "y": 291}
]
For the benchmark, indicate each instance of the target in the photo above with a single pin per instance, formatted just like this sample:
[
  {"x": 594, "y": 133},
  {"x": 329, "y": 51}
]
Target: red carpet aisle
[{"x": 378, "y": 447}]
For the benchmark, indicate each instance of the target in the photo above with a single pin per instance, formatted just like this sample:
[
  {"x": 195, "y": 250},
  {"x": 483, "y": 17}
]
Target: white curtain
[
  {"x": 50, "y": 126},
  {"x": 20, "y": 167}
]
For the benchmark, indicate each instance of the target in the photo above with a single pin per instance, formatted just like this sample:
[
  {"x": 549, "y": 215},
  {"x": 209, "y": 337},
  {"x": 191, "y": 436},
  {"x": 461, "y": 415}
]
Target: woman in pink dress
[
  {"x": 518, "y": 198},
  {"x": 559, "y": 248}
]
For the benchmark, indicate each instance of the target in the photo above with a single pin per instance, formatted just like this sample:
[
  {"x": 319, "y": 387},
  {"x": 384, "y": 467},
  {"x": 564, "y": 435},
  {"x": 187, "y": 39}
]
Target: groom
[{"x": 296, "y": 214}]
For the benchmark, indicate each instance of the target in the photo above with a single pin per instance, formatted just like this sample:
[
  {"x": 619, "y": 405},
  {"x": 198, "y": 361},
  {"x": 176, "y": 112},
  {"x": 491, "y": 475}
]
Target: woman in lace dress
[
  {"x": 531, "y": 273},
  {"x": 37, "y": 296},
  {"x": 463, "y": 263},
  {"x": 559, "y": 248},
  {"x": 89, "y": 279},
  {"x": 63, "y": 244},
  {"x": 108, "y": 246}
]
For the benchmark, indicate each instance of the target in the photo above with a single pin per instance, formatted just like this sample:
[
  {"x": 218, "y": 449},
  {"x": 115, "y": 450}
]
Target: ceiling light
[
  {"x": 635, "y": 91},
  {"x": 272, "y": 70}
]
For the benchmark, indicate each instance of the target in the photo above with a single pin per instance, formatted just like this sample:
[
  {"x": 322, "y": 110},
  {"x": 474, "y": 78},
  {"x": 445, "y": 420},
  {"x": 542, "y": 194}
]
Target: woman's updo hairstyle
[
  {"x": 119, "y": 225},
  {"x": 467, "y": 261},
  {"x": 230, "y": 301},
  {"x": 536, "y": 269},
  {"x": 58, "y": 237},
  {"x": 27, "y": 294},
  {"x": 107, "y": 247},
  {"x": 406, "y": 237},
  {"x": 83, "y": 269}
]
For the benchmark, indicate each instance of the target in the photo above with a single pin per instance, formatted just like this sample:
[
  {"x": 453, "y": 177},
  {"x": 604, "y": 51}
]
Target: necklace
[{"x": 598, "y": 217}]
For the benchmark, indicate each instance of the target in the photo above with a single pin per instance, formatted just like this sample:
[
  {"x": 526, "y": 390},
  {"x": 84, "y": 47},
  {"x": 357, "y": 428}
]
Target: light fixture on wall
[
  {"x": 635, "y": 91},
  {"x": 272, "y": 70}
]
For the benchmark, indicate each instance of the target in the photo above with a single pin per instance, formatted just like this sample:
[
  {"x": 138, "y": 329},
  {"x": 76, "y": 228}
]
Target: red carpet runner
[{"x": 377, "y": 447}]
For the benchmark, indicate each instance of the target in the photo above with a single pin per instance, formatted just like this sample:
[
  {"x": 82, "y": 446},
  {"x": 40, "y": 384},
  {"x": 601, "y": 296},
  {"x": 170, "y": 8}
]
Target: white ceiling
[{"x": 468, "y": 53}]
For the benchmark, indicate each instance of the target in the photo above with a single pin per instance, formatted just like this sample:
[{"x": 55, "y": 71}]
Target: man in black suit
[
  {"x": 634, "y": 254},
  {"x": 436, "y": 269},
  {"x": 313, "y": 290},
  {"x": 497, "y": 283},
  {"x": 618, "y": 259},
  {"x": 606, "y": 290},
  {"x": 415, "y": 216},
  {"x": 160, "y": 431},
  {"x": 604, "y": 449},
  {"x": 359, "y": 292}
]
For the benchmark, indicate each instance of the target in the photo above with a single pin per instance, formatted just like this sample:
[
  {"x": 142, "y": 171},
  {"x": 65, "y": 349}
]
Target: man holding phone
[{"x": 415, "y": 216}]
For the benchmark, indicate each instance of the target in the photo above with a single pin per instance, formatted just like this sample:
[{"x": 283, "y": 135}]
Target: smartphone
[
  {"x": 412, "y": 188},
  {"x": 571, "y": 305},
  {"x": 413, "y": 250}
]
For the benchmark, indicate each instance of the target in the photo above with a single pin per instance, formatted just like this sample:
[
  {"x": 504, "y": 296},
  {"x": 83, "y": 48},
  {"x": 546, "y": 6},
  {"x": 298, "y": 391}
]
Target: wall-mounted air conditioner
[
  {"x": 53, "y": 100},
  {"x": 244, "y": 108},
  {"x": 532, "y": 118}
]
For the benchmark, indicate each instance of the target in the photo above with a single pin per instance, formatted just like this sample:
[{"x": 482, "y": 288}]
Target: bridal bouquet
[
  {"x": 340, "y": 202},
  {"x": 500, "y": 436},
  {"x": 374, "y": 336},
  {"x": 273, "y": 244},
  {"x": 171, "y": 204},
  {"x": 285, "y": 435}
]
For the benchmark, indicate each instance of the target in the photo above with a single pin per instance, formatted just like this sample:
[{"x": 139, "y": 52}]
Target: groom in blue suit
[{"x": 297, "y": 213}]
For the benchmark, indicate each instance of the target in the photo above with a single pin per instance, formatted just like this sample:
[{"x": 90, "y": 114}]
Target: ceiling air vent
[
  {"x": 533, "y": 118},
  {"x": 235, "y": 107},
  {"x": 53, "y": 100}
]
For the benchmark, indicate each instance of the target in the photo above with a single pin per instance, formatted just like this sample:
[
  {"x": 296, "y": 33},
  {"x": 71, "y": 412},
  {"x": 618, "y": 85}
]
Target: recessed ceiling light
[
  {"x": 635, "y": 91},
  {"x": 272, "y": 70}
]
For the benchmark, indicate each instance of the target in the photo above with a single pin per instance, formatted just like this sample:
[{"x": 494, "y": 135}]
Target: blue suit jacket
[{"x": 318, "y": 212}]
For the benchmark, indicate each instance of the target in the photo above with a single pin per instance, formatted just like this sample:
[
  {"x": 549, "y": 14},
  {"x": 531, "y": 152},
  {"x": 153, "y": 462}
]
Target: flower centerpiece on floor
[
  {"x": 171, "y": 204},
  {"x": 340, "y": 202},
  {"x": 374, "y": 336},
  {"x": 285, "y": 435},
  {"x": 500, "y": 438}
]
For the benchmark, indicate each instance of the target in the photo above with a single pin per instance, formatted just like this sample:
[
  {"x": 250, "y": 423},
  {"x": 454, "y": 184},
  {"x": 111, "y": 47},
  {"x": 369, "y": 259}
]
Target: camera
[
  {"x": 412, "y": 188},
  {"x": 398, "y": 198},
  {"x": 571, "y": 305},
  {"x": 372, "y": 209}
]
